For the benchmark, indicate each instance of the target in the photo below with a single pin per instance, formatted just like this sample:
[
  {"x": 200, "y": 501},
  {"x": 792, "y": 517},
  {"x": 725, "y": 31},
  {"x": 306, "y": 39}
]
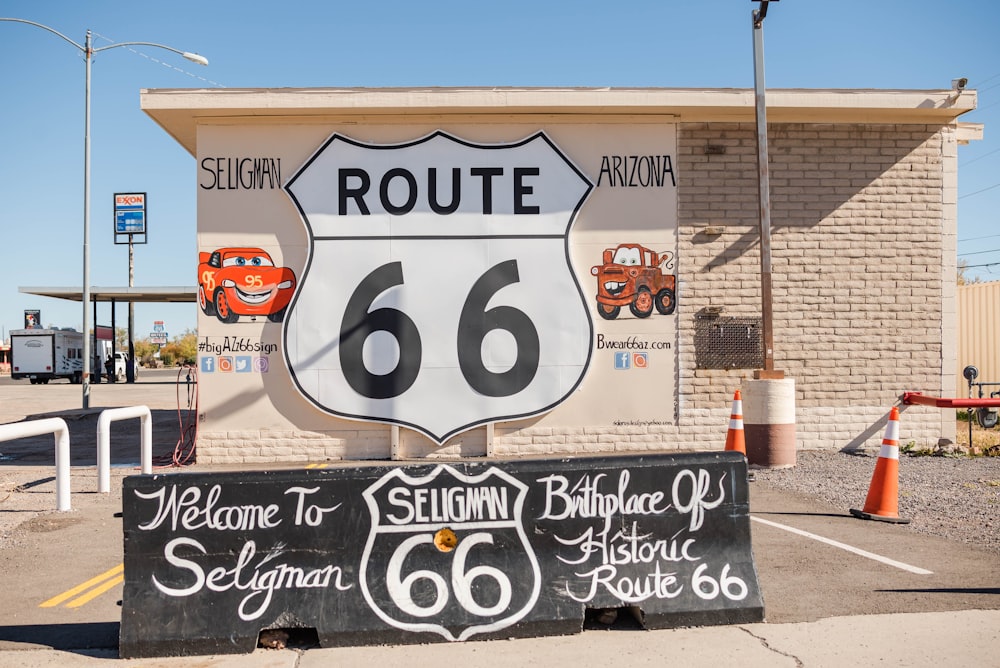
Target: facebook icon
[
  {"x": 207, "y": 364},
  {"x": 623, "y": 361}
]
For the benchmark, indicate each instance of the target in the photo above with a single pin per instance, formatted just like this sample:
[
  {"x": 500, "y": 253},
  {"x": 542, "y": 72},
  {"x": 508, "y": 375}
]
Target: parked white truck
[
  {"x": 101, "y": 363},
  {"x": 41, "y": 355}
]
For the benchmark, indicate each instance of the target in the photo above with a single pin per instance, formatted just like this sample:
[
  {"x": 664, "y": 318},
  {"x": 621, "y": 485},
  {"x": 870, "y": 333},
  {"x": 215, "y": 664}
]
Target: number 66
[
  {"x": 474, "y": 324},
  {"x": 401, "y": 588}
]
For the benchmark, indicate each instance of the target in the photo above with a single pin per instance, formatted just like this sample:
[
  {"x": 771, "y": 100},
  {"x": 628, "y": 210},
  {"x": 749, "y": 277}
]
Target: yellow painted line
[
  {"x": 316, "y": 466},
  {"x": 66, "y": 595},
  {"x": 94, "y": 593}
]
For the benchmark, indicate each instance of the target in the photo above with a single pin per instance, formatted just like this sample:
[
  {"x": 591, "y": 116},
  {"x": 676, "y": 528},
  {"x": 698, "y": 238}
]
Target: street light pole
[
  {"x": 88, "y": 53},
  {"x": 764, "y": 191}
]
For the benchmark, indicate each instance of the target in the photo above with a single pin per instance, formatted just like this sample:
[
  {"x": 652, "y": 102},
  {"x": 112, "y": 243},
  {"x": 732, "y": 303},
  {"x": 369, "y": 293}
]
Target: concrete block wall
[
  {"x": 863, "y": 235},
  {"x": 860, "y": 263}
]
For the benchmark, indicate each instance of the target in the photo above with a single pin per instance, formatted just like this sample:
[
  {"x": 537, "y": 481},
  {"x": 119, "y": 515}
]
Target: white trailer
[{"x": 41, "y": 355}]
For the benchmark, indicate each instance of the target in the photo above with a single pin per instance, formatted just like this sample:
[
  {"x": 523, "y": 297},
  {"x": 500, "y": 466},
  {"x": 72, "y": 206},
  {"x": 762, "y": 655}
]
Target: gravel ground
[{"x": 954, "y": 497}]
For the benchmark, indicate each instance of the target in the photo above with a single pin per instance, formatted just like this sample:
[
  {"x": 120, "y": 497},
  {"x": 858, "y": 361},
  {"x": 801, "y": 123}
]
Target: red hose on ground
[
  {"x": 187, "y": 421},
  {"x": 185, "y": 448}
]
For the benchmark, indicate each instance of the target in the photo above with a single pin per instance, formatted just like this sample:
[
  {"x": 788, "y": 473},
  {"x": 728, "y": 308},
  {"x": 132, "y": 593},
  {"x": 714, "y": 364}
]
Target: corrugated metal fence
[{"x": 979, "y": 333}]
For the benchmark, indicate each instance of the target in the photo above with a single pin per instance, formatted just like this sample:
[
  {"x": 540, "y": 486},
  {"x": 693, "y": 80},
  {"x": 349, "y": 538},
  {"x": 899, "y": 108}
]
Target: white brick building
[{"x": 863, "y": 197}]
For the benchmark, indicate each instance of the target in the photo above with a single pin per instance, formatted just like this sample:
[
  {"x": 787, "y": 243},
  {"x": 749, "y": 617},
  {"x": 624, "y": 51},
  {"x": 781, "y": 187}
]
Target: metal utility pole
[
  {"x": 764, "y": 189},
  {"x": 130, "y": 364},
  {"x": 88, "y": 50}
]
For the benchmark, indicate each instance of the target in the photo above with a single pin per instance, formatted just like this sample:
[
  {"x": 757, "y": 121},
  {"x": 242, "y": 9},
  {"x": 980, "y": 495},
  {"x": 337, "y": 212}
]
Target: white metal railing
[
  {"x": 104, "y": 441},
  {"x": 57, "y": 427}
]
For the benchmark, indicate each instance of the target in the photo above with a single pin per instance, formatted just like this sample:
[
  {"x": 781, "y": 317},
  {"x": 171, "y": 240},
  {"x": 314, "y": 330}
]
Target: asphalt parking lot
[{"x": 62, "y": 571}]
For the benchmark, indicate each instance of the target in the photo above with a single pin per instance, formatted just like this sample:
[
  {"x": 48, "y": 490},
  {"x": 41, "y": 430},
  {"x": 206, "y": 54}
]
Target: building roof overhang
[{"x": 180, "y": 111}]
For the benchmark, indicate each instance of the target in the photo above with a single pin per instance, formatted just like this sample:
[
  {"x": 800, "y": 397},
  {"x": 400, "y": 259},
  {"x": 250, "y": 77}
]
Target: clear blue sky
[{"x": 890, "y": 44}]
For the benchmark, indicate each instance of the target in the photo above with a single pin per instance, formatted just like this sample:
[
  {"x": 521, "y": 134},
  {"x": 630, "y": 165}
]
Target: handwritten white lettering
[
  {"x": 186, "y": 512},
  {"x": 628, "y": 548},
  {"x": 696, "y": 503},
  {"x": 629, "y": 590},
  {"x": 311, "y": 514},
  {"x": 260, "y": 583},
  {"x": 631, "y": 565},
  {"x": 586, "y": 500}
]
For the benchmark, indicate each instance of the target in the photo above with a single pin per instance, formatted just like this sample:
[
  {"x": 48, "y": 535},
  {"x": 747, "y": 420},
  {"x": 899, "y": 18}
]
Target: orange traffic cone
[
  {"x": 882, "y": 502},
  {"x": 735, "y": 440}
]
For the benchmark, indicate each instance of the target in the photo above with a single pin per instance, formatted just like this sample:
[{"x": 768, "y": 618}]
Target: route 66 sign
[
  {"x": 482, "y": 576},
  {"x": 438, "y": 292}
]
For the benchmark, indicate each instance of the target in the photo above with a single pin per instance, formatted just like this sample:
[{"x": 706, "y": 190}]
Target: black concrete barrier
[{"x": 437, "y": 552}]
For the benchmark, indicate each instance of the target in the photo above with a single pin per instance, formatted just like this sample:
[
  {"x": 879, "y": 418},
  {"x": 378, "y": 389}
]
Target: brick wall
[{"x": 859, "y": 267}]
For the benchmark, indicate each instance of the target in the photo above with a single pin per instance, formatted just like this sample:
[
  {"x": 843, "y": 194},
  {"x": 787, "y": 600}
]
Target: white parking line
[{"x": 849, "y": 548}]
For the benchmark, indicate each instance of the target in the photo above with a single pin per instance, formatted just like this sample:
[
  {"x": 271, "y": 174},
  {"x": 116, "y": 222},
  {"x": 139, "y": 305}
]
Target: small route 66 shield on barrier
[{"x": 483, "y": 514}]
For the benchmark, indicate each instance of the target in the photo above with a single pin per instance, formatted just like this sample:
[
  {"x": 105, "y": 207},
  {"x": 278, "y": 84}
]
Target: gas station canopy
[{"x": 118, "y": 294}]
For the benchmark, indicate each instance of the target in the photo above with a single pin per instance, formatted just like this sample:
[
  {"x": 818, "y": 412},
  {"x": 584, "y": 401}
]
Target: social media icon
[
  {"x": 261, "y": 364},
  {"x": 225, "y": 364},
  {"x": 207, "y": 364},
  {"x": 243, "y": 364},
  {"x": 623, "y": 361},
  {"x": 640, "y": 360}
]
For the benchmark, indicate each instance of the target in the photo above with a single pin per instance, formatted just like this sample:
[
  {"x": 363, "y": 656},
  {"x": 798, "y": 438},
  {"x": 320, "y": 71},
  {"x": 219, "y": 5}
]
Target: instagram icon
[{"x": 225, "y": 364}]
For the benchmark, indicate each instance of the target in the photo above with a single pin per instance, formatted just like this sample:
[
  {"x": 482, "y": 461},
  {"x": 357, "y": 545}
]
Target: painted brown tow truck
[{"x": 635, "y": 276}]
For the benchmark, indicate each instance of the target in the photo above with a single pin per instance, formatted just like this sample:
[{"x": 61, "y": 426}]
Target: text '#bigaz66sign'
[{"x": 438, "y": 294}]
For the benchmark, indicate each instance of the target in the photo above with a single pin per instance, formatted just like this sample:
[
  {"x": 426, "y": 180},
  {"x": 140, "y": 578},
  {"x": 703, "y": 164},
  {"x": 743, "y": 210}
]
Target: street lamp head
[{"x": 195, "y": 58}]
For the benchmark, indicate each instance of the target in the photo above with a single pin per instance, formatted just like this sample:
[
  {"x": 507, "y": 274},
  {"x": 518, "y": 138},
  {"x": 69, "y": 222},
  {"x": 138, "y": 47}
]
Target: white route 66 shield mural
[{"x": 438, "y": 292}]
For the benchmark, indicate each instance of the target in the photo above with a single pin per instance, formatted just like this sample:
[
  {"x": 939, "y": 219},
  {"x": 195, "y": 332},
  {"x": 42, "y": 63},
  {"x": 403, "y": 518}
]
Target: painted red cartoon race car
[{"x": 243, "y": 281}]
